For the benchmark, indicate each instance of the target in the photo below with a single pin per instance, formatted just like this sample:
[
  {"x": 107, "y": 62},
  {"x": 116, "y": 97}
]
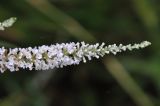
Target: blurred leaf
[{"x": 65, "y": 21}]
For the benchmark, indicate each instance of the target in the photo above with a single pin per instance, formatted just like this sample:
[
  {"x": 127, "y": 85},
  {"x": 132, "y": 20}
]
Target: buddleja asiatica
[{"x": 56, "y": 56}]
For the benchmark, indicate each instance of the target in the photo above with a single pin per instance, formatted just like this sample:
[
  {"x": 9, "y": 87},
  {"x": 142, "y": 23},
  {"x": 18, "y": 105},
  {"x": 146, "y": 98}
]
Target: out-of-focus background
[{"x": 127, "y": 79}]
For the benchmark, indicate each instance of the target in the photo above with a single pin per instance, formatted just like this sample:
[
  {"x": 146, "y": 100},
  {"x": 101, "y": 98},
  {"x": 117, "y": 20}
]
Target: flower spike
[
  {"x": 58, "y": 55},
  {"x": 7, "y": 23}
]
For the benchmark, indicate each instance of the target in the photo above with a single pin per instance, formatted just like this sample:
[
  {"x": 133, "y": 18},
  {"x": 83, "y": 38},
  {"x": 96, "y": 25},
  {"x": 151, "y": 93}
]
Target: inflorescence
[
  {"x": 58, "y": 55},
  {"x": 7, "y": 23}
]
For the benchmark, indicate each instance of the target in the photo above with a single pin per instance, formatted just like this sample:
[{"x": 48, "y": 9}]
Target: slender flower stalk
[
  {"x": 58, "y": 55},
  {"x": 7, "y": 23}
]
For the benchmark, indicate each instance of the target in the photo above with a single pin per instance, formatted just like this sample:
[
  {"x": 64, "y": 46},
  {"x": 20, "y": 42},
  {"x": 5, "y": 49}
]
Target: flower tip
[
  {"x": 147, "y": 43},
  {"x": 12, "y": 20}
]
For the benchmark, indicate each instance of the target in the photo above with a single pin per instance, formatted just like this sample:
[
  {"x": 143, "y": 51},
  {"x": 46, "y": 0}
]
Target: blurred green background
[{"x": 127, "y": 79}]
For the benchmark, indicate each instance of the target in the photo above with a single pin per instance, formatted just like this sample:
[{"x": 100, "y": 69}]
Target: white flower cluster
[
  {"x": 7, "y": 23},
  {"x": 58, "y": 55}
]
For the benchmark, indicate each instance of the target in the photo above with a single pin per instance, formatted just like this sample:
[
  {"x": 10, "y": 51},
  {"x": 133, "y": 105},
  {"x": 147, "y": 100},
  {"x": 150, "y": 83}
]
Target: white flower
[
  {"x": 59, "y": 55},
  {"x": 7, "y": 23}
]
